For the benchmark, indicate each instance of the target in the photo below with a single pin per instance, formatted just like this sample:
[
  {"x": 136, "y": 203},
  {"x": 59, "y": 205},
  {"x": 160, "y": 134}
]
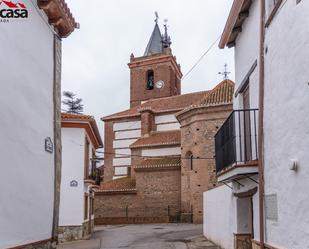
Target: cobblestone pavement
[{"x": 152, "y": 236}]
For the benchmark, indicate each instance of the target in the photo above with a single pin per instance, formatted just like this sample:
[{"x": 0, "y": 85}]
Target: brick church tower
[{"x": 156, "y": 74}]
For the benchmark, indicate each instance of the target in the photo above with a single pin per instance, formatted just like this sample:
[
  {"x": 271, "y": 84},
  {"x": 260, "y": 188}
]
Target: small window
[{"x": 150, "y": 80}]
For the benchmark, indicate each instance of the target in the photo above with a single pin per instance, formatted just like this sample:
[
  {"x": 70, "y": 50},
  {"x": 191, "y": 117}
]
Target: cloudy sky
[{"x": 95, "y": 57}]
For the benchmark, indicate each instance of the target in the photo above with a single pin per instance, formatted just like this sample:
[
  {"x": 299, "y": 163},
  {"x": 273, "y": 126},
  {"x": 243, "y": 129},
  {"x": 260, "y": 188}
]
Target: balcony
[{"x": 236, "y": 146}]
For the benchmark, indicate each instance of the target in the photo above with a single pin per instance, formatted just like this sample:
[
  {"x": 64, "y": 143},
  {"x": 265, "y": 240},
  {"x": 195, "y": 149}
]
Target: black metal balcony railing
[{"x": 236, "y": 140}]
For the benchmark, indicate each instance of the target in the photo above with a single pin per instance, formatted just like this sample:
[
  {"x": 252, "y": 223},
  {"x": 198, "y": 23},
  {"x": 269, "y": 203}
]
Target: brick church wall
[
  {"x": 160, "y": 190},
  {"x": 198, "y": 129},
  {"x": 108, "y": 148},
  {"x": 157, "y": 199}
]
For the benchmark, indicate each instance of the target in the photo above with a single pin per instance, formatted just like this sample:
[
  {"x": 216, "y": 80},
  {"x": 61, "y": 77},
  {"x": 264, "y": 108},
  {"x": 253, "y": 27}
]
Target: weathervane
[
  {"x": 166, "y": 39},
  {"x": 225, "y": 73},
  {"x": 157, "y": 17}
]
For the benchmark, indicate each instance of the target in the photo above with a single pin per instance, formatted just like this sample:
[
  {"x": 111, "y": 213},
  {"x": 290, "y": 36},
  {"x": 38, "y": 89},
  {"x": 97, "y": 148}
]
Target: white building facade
[
  {"x": 30, "y": 113},
  {"x": 80, "y": 140},
  {"x": 282, "y": 223}
]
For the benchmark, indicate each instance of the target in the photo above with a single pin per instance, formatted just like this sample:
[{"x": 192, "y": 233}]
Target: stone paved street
[{"x": 152, "y": 236}]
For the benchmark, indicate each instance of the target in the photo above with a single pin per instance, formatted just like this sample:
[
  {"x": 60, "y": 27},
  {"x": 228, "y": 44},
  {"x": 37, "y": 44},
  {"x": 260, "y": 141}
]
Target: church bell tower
[{"x": 156, "y": 74}]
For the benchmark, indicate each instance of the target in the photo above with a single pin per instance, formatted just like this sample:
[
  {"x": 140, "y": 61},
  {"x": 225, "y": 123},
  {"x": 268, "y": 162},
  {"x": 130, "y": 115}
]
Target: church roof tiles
[
  {"x": 158, "y": 139},
  {"x": 161, "y": 105},
  {"x": 118, "y": 185},
  {"x": 220, "y": 95},
  {"x": 157, "y": 163}
]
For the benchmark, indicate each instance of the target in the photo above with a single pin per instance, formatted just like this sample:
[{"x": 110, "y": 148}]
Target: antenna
[
  {"x": 225, "y": 73},
  {"x": 157, "y": 17}
]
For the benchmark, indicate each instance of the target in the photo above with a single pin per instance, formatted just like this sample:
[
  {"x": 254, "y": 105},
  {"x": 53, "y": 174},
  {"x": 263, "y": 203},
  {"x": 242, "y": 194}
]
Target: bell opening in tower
[{"x": 150, "y": 80}]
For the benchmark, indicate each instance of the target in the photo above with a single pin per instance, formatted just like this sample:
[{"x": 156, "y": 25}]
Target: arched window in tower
[
  {"x": 189, "y": 159},
  {"x": 150, "y": 80}
]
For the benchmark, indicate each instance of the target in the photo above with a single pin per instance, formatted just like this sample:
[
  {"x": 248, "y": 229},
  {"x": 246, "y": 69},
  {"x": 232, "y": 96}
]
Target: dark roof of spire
[{"x": 155, "y": 42}]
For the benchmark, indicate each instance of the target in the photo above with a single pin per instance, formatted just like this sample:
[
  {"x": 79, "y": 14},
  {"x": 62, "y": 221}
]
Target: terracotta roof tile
[
  {"x": 221, "y": 94},
  {"x": 59, "y": 10},
  {"x": 159, "y": 162},
  {"x": 167, "y": 104},
  {"x": 158, "y": 139},
  {"x": 121, "y": 184},
  {"x": 75, "y": 116}
]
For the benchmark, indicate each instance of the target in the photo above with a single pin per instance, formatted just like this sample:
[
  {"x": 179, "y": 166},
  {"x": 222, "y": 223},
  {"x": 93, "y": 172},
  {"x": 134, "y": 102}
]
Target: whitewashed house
[
  {"x": 262, "y": 149},
  {"x": 30, "y": 148},
  {"x": 80, "y": 140}
]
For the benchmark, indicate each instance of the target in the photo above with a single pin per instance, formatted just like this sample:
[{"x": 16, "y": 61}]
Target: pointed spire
[{"x": 155, "y": 42}]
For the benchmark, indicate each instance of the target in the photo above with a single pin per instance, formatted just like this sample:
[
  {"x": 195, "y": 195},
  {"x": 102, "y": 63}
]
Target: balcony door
[{"x": 247, "y": 125}]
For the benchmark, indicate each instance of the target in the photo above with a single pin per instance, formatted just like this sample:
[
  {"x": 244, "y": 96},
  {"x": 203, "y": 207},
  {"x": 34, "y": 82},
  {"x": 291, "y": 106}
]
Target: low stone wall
[
  {"x": 256, "y": 245},
  {"x": 242, "y": 241},
  {"x": 69, "y": 233}
]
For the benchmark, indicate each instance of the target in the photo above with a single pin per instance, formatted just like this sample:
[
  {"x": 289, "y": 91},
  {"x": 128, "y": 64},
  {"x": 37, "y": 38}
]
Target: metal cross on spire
[
  {"x": 157, "y": 17},
  {"x": 225, "y": 73},
  {"x": 166, "y": 39}
]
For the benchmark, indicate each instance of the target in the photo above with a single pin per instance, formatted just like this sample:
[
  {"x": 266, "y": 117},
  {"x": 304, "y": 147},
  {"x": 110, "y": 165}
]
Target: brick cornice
[
  {"x": 200, "y": 109},
  {"x": 151, "y": 60}
]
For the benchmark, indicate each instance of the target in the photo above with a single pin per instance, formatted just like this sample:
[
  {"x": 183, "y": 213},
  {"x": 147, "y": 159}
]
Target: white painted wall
[
  {"x": 161, "y": 119},
  {"x": 166, "y": 122},
  {"x": 225, "y": 214},
  {"x": 127, "y": 134},
  {"x": 247, "y": 44},
  {"x": 168, "y": 127},
  {"x": 127, "y": 125},
  {"x": 26, "y": 110},
  {"x": 125, "y": 143},
  {"x": 72, "y": 198},
  {"x": 122, "y": 152},
  {"x": 220, "y": 216},
  {"x": 122, "y": 161},
  {"x": 246, "y": 52},
  {"x": 169, "y": 151},
  {"x": 286, "y": 124},
  {"x": 121, "y": 170}
]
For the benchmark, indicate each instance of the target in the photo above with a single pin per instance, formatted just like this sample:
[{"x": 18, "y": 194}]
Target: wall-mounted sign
[
  {"x": 73, "y": 183},
  {"x": 271, "y": 207},
  {"x": 49, "y": 146}
]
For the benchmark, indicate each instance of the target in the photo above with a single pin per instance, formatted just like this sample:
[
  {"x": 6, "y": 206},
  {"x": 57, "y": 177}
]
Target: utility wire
[
  {"x": 152, "y": 157},
  {"x": 201, "y": 58}
]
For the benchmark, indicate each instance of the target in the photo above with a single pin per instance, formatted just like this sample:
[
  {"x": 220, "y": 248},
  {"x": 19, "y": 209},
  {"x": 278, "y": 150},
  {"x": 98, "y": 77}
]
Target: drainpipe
[
  {"x": 261, "y": 128},
  {"x": 57, "y": 137}
]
